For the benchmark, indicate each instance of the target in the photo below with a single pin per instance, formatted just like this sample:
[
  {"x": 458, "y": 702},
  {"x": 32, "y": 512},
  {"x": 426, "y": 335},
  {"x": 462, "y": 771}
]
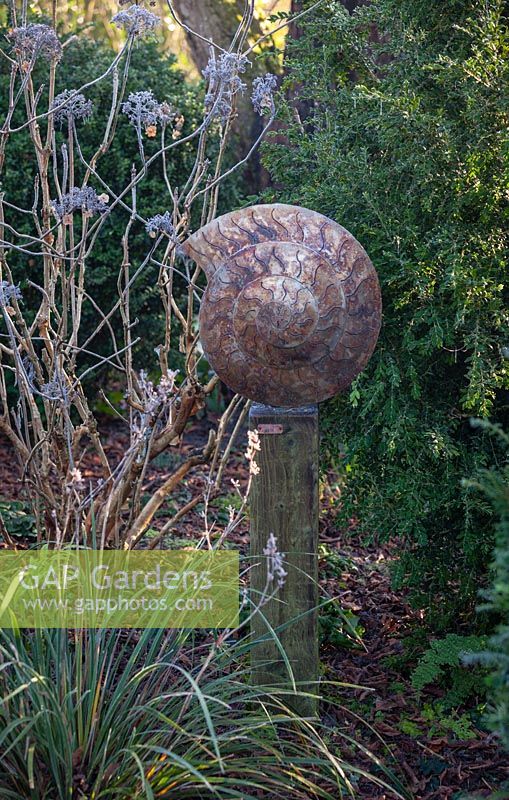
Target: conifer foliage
[{"x": 397, "y": 127}]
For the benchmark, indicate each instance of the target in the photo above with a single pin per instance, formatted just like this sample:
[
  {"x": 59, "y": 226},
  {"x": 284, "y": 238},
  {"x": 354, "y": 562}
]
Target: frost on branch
[
  {"x": 7, "y": 292},
  {"x": 263, "y": 93},
  {"x": 144, "y": 111},
  {"x": 160, "y": 223},
  {"x": 155, "y": 399},
  {"x": 56, "y": 390}
]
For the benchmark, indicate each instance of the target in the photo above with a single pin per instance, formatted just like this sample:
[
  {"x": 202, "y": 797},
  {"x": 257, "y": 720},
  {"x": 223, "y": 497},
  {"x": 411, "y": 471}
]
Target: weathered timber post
[
  {"x": 290, "y": 317},
  {"x": 284, "y": 502}
]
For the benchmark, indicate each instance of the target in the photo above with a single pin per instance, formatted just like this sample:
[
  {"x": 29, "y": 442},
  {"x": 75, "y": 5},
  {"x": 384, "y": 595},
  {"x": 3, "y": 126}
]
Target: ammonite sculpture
[{"x": 291, "y": 313}]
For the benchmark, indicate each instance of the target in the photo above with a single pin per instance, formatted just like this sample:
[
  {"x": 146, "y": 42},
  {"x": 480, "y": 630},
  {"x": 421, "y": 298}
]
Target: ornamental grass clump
[{"x": 112, "y": 714}]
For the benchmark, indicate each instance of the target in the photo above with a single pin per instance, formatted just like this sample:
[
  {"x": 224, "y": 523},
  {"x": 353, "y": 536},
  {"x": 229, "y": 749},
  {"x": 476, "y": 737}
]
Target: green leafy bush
[
  {"x": 401, "y": 136},
  {"x": 16, "y": 521},
  {"x": 438, "y": 721},
  {"x": 339, "y": 627}
]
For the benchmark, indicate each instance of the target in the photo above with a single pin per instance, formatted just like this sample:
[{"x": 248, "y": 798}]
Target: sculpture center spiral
[
  {"x": 273, "y": 322},
  {"x": 281, "y": 297},
  {"x": 274, "y": 315},
  {"x": 288, "y": 319}
]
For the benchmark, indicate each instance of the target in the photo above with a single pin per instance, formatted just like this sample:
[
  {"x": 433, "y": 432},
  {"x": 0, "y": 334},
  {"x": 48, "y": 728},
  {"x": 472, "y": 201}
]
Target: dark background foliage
[
  {"x": 401, "y": 135},
  {"x": 150, "y": 70}
]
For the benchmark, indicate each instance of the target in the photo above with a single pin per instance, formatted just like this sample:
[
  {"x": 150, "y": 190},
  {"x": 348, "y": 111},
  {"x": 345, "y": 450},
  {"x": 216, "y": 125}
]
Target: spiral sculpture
[{"x": 292, "y": 309}]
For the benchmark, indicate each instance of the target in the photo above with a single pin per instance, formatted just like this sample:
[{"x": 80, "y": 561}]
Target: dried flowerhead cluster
[
  {"x": 85, "y": 199},
  {"x": 263, "y": 94},
  {"x": 137, "y": 21},
  {"x": 33, "y": 40},
  {"x": 156, "y": 399},
  {"x": 71, "y": 107},
  {"x": 275, "y": 561},
  {"x": 222, "y": 75},
  {"x": 145, "y": 112},
  {"x": 76, "y": 481},
  {"x": 7, "y": 292},
  {"x": 56, "y": 390},
  {"x": 253, "y": 447},
  {"x": 178, "y": 124},
  {"x": 160, "y": 223}
]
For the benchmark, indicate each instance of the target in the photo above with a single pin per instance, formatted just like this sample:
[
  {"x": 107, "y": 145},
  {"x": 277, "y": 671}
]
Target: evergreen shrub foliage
[
  {"x": 396, "y": 126},
  {"x": 495, "y": 486}
]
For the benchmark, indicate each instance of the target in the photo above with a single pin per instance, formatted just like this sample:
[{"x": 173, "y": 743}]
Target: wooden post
[{"x": 284, "y": 501}]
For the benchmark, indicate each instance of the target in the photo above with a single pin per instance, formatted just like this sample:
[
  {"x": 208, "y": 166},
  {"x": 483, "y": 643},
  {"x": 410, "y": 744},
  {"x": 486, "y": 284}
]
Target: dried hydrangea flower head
[
  {"x": 137, "y": 21},
  {"x": 145, "y": 112},
  {"x": 160, "y": 223},
  {"x": 263, "y": 94},
  {"x": 178, "y": 124},
  {"x": 166, "y": 113},
  {"x": 76, "y": 481},
  {"x": 71, "y": 107},
  {"x": 56, "y": 389},
  {"x": 141, "y": 108},
  {"x": 85, "y": 199},
  {"x": 222, "y": 76},
  {"x": 35, "y": 39},
  {"x": 7, "y": 292}
]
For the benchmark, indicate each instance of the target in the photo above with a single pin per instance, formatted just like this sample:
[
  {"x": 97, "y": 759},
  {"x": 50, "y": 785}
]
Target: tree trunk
[
  {"x": 216, "y": 20},
  {"x": 294, "y": 31}
]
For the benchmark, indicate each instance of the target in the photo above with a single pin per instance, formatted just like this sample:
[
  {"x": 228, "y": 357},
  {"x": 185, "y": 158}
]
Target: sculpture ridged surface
[{"x": 292, "y": 309}]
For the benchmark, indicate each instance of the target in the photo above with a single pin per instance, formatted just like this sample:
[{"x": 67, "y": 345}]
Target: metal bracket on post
[{"x": 284, "y": 501}]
